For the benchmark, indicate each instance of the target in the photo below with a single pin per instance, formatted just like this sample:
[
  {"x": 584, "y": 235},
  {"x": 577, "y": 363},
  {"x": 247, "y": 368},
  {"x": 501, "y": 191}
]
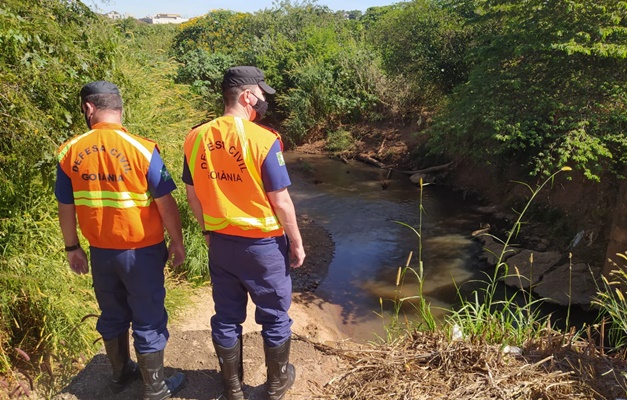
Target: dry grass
[{"x": 430, "y": 366}]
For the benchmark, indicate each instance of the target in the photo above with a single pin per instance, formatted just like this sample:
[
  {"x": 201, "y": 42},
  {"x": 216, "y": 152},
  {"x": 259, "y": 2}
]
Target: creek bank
[{"x": 550, "y": 275}]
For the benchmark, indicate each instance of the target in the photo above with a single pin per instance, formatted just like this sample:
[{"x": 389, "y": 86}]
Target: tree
[
  {"x": 548, "y": 87},
  {"x": 423, "y": 49}
]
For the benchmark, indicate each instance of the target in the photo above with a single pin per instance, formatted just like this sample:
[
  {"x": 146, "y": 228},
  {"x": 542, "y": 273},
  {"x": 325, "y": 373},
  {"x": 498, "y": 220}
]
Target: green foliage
[
  {"x": 548, "y": 87},
  {"x": 374, "y": 14},
  {"x": 47, "y": 47},
  {"x": 311, "y": 56},
  {"x": 204, "y": 72},
  {"x": 42, "y": 302},
  {"x": 423, "y": 46},
  {"x": 339, "y": 141},
  {"x": 612, "y": 302},
  {"x": 327, "y": 95},
  {"x": 219, "y": 31}
]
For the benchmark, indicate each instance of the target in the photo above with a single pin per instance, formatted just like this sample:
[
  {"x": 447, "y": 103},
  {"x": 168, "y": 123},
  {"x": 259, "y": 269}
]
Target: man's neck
[
  {"x": 112, "y": 117},
  {"x": 236, "y": 112}
]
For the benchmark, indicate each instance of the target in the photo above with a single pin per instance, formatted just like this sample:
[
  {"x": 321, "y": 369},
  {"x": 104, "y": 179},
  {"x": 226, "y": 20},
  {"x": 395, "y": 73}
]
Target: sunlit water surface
[{"x": 371, "y": 242}]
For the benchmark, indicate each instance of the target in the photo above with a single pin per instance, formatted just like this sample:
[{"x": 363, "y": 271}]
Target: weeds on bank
[
  {"x": 44, "y": 336},
  {"x": 611, "y": 300},
  {"x": 47, "y": 313},
  {"x": 507, "y": 321},
  {"x": 394, "y": 328},
  {"x": 426, "y": 363},
  {"x": 481, "y": 316}
]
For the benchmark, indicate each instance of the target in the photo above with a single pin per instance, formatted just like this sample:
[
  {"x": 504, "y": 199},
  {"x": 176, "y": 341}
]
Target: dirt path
[{"x": 190, "y": 349}]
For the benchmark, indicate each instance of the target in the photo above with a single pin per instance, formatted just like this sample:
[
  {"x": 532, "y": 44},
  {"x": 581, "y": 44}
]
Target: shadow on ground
[{"x": 192, "y": 353}]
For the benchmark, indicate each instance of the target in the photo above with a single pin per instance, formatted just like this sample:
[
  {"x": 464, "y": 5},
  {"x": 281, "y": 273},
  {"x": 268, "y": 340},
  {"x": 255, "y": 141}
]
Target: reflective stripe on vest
[
  {"x": 70, "y": 143},
  {"x": 248, "y": 158},
  {"x": 124, "y": 136},
  {"x": 197, "y": 143},
  {"x": 112, "y": 199},
  {"x": 244, "y": 222},
  {"x": 267, "y": 224},
  {"x": 135, "y": 144}
]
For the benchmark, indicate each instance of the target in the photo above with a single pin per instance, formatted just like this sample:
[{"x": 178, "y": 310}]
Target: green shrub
[{"x": 339, "y": 141}]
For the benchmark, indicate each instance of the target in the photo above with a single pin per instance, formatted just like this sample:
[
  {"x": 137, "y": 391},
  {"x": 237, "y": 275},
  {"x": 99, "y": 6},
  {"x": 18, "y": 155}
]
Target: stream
[{"x": 373, "y": 219}]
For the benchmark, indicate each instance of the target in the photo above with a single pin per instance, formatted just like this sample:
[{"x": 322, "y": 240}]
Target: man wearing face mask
[
  {"x": 118, "y": 188},
  {"x": 237, "y": 188}
]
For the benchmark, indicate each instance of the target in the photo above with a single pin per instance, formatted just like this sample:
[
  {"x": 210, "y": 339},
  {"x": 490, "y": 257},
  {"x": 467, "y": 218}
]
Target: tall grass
[
  {"x": 483, "y": 316},
  {"x": 42, "y": 303},
  {"x": 612, "y": 302},
  {"x": 427, "y": 321},
  {"x": 46, "y": 327},
  {"x": 159, "y": 109}
]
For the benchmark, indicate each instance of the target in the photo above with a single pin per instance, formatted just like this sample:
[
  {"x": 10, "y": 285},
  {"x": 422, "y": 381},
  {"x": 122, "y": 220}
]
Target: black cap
[
  {"x": 99, "y": 87},
  {"x": 245, "y": 75}
]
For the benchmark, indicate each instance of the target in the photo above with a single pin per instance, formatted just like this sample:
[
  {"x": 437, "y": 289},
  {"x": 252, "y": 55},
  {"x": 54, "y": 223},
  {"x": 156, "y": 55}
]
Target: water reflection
[{"x": 360, "y": 206}]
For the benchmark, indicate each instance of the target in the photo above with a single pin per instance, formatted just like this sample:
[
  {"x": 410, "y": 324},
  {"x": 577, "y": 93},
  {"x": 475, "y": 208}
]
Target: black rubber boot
[
  {"x": 232, "y": 369},
  {"x": 125, "y": 370},
  {"x": 156, "y": 387},
  {"x": 281, "y": 374}
]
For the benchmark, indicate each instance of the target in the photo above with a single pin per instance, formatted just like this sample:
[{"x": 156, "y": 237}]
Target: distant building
[
  {"x": 165, "y": 19},
  {"x": 114, "y": 15}
]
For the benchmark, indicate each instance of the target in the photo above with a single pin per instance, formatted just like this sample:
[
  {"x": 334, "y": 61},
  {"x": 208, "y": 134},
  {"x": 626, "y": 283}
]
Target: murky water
[{"x": 350, "y": 201}]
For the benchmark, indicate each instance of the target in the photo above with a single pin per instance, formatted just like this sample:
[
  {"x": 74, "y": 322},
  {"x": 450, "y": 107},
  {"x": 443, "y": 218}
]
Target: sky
[{"x": 194, "y": 8}]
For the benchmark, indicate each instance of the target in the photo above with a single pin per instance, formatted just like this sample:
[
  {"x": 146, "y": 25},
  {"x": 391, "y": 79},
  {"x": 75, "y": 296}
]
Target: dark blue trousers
[
  {"x": 129, "y": 286},
  {"x": 239, "y": 266}
]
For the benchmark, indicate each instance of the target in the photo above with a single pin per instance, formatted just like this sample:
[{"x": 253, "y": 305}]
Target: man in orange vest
[
  {"x": 237, "y": 188},
  {"x": 120, "y": 190}
]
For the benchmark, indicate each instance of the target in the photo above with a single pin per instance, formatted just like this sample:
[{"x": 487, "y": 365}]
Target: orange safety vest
[
  {"x": 108, "y": 168},
  {"x": 225, "y": 158}
]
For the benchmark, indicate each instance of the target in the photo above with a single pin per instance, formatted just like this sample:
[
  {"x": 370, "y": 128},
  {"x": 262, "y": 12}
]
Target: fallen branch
[
  {"x": 430, "y": 170},
  {"x": 367, "y": 159}
]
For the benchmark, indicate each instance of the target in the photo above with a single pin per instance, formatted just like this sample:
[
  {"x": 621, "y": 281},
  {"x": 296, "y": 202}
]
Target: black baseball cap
[
  {"x": 99, "y": 87},
  {"x": 246, "y": 75}
]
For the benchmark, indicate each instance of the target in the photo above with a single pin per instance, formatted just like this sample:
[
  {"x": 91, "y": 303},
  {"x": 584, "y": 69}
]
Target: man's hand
[
  {"x": 78, "y": 261},
  {"x": 176, "y": 254},
  {"x": 297, "y": 255}
]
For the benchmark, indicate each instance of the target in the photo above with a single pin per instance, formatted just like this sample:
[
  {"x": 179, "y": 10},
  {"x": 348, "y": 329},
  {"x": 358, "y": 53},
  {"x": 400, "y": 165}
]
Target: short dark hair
[
  {"x": 105, "y": 101},
  {"x": 231, "y": 93}
]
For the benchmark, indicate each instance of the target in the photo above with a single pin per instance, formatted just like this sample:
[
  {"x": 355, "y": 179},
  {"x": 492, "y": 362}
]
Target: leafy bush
[
  {"x": 339, "y": 141},
  {"x": 49, "y": 50},
  {"x": 423, "y": 48},
  {"x": 311, "y": 56},
  {"x": 547, "y": 88}
]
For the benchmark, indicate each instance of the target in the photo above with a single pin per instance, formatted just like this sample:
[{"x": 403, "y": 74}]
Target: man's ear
[{"x": 89, "y": 107}]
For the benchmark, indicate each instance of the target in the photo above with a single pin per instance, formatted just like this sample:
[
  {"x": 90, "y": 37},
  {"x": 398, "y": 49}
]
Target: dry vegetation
[{"x": 430, "y": 366}]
